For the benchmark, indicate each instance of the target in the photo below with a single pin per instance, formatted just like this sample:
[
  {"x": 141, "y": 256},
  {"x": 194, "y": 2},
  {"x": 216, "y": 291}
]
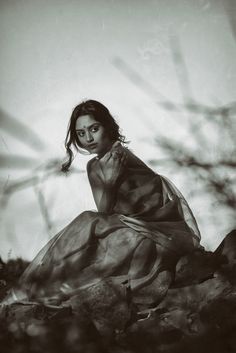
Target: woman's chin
[{"x": 94, "y": 151}]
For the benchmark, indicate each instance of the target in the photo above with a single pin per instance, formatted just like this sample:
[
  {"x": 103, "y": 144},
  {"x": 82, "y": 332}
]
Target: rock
[
  {"x": 24, "y": 311},
  {"x": 227, "y": 250},
  {"x": 197, "y": 313},
  {"x": 105, "y": 303}
]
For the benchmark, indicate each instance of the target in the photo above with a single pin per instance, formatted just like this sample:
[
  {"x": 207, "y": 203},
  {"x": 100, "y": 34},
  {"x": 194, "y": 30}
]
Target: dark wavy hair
[{"x": 101, "y": 114}]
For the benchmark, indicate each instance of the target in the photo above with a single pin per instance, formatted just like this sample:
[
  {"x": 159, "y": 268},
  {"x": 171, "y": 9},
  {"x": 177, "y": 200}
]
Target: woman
[{"x": 142, "y": 227}]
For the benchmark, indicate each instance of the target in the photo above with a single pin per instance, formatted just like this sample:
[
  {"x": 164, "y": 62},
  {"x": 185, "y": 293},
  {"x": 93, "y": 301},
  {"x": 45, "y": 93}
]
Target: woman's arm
[
  {"x": 109, "y": 170},
  {"x": 112, "y": 166},
  {"x": 108, "y": 199}
]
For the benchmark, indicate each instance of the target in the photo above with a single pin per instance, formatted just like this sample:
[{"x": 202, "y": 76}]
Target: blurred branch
[
  {"x": 38, "y": 175},
  {"x": 215, "y": 182},
  {"x": 136, "y": 79},
  {"x": 20, "y": 131},
  {"x": 36, "y": 180},
  {"x": 181, "y": 70},
  {"x": 17, "y": 162},
  {"x": 230, "y": 8},
  {"x": 43, "y": 208},
  {"x": 162, "y": 101},
  {"x": 208, "y": 128}
]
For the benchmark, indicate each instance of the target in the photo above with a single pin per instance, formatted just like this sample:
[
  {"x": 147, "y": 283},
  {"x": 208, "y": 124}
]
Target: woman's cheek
[{"x": 82, "y": 142}]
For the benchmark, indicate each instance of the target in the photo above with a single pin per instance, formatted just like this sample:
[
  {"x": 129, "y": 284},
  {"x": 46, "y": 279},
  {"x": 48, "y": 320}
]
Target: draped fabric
[{"x": 150, "y": 228}]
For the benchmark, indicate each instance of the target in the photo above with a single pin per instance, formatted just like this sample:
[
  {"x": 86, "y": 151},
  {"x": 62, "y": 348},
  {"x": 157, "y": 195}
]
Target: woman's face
[{"x": 92, "y": 135}]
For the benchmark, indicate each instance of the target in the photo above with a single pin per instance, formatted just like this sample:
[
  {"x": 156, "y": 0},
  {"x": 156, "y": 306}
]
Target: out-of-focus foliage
[
  {"x": 10, "y": 272},
  {"x": 207, "y": 152},
  {"x": 211, "y": 154},
  {"x": 37, "y": 171},
  {"x": 196, "y": 315}
]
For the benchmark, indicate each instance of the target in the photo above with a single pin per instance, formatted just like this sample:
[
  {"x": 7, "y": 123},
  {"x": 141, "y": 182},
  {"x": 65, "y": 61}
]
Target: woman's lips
[{"x": 92, "y": 146}]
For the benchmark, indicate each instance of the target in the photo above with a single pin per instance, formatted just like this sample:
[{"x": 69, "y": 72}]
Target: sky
[{"x": 55, "y": 53}]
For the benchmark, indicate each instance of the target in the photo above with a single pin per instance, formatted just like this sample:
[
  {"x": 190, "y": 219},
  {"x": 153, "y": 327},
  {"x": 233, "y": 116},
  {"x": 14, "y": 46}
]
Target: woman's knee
[{"x": 86, "y": 215}]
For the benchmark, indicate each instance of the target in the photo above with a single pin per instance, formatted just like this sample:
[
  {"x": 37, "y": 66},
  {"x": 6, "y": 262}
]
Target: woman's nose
[{"x": 89, "y": 137}]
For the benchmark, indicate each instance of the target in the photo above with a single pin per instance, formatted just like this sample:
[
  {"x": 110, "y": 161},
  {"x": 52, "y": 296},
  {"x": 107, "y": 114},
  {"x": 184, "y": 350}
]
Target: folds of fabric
[{"x": 150, "y": 228}]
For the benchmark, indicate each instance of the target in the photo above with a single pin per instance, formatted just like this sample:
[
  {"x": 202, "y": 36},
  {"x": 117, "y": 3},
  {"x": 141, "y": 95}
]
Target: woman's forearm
[{"x": 108, "y": 199}]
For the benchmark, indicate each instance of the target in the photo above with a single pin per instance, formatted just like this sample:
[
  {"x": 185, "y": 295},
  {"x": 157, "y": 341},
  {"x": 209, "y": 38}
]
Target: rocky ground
[{"x": 197, "y": 315}]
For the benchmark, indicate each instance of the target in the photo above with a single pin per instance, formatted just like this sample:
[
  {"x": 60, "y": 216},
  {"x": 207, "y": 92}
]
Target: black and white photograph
[{"x": 117, "y": 176}]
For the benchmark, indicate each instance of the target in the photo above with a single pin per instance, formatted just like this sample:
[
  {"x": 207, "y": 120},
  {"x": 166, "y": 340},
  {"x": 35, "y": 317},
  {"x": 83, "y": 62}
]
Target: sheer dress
[{"x": 139, "y": 243}]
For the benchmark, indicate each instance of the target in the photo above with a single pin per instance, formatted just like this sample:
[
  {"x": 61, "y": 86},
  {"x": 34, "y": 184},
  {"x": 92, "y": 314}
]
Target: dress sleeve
[{"x": 170, "y": 191}]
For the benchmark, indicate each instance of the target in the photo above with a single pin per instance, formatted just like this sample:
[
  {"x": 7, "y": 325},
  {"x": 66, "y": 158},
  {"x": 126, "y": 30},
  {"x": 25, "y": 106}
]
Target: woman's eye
[
  {"x": 80, "y": 133},
  {"x": 95, "y": 129}
]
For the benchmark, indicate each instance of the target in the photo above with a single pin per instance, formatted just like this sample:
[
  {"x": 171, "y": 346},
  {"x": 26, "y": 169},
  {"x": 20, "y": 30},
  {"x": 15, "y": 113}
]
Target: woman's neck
[{"x": 101, "y": 154}]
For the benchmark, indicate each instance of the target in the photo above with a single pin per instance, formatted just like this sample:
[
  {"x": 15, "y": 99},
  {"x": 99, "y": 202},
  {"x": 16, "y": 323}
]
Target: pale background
[{"x": 55, "y": 53}]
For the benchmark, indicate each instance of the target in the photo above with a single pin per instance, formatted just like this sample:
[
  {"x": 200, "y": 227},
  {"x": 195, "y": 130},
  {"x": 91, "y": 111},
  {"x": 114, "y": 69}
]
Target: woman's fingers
[
  {"x": 117, "y": 153},
  {"x": 118, "y": 157},
  {"x": 114, "y": 162},
  {"x": 120, "y": 162},
  {"x": 106, "y": 157},
  {"x": 124, "y": 158}
]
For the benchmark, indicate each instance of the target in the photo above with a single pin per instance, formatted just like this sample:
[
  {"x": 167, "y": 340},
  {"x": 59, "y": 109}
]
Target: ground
[{"x": 198, "y": 314}]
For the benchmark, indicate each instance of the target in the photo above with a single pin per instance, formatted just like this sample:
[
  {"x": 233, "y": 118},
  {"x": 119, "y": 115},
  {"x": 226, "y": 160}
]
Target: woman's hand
[{"x": 113, "y": 164}]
